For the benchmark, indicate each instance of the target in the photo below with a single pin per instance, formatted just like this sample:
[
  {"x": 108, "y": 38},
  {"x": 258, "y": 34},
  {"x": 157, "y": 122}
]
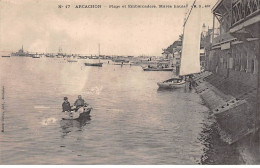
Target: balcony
[
  {"x": 243, "y": 10},
  {"x": 222, "y": 38}
]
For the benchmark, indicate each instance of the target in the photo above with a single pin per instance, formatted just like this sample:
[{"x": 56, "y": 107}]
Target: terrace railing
[{"x": 243, "y": 10}]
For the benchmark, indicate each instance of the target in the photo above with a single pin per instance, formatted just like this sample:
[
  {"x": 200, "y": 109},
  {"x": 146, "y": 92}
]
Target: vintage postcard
[{"x": 127, "y": 82}]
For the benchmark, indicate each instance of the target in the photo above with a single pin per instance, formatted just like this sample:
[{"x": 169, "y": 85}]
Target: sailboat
[
  {"x": 190, "y": 56},
  {"x": 99, "y": 64},
  {"x": 36, "y": 56}
]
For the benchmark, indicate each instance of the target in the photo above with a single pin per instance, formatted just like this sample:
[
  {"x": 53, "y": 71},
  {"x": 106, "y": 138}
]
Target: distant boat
[
  {"x": 99, "y": 64},
  {"x": 72, "y": 60},
  {"x": 82, "y": 57},
  {"x": 122, "y": 63},
  {"x": 36, "y": 56},
  {"x": 190, "y": 56},
  {"x": 120, "y": 60},
  {"x": 157, "y": 69},
  {"x": 94, "y": 64}
]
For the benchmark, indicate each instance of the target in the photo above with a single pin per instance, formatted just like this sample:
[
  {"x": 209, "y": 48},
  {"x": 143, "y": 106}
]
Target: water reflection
[
  {"x": 183, "y": 90},
  {"x": 68, "y": 126}
]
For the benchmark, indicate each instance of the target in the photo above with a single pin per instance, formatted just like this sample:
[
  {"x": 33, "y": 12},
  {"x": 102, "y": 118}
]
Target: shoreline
[{"x": 234, "y": 114}]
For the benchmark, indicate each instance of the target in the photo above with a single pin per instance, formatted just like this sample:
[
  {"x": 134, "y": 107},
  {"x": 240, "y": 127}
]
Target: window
[
  {"x": 253, "y": 66},
  {"x": 231, "y": 63}
]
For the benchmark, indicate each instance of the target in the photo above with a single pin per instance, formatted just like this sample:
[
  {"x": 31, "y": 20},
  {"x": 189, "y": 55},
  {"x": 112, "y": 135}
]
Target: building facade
[
  {"x": 233, "y": 58},
  {"x": 235, "y": 44}
]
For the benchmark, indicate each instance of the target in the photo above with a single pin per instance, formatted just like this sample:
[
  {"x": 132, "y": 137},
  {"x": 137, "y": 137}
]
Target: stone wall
[{"x": 232, "y": 101}]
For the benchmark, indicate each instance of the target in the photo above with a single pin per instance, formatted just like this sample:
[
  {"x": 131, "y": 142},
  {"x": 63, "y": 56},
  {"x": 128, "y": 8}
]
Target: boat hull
[
  {"x": 121, "y": 61},
  {"x": 170, "y": 85},
  {"x": 158, "y": 69},
  {"x": 74, "y": 115},
  {"x": 94, "y": 64},
  {"x": 72, "y": 61}
]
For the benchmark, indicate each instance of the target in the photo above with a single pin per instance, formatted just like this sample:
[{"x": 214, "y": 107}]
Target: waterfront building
[
  {"x": 205, "y": 46},
  {"x": 235, "y": 45},
  {"x": 232, "y": 87},
  {"x": 172, "y": 53},
  {"x": 233, "y": 59}
]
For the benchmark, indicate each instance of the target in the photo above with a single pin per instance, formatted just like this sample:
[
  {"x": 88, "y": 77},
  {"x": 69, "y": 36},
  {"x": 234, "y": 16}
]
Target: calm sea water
[{"x": 132, "y": 122}]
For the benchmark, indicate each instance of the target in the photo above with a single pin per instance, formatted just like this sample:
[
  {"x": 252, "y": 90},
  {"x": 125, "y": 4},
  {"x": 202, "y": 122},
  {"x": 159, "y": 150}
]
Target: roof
[
  {"x": 216, "y": 5},
  {"x": 221, "y": 7}
]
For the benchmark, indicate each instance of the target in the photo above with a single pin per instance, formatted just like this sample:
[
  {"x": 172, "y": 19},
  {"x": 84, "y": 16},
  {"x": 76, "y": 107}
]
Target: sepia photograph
[{"x": 127, "y": 82}]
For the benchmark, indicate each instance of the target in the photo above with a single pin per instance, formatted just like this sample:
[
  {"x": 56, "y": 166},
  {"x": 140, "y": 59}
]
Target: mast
[
  {"x": 99, "y": 52},
  {"x": 185, "y": 20},
  {"x": 179, "y": 67}
]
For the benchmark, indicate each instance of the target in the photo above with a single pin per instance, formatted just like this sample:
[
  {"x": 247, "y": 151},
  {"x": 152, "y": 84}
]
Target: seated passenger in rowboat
[
  {"x": 66, "y": 105},
  {"x": 80, "y": 103}
]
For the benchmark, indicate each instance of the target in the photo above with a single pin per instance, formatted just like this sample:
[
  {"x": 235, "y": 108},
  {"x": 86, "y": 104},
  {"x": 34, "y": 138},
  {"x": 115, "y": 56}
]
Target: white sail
[{"x": 190, "y": 57}]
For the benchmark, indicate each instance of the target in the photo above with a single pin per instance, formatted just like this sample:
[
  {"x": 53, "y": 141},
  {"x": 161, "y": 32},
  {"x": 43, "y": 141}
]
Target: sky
[{"x": 41, "y": 26}]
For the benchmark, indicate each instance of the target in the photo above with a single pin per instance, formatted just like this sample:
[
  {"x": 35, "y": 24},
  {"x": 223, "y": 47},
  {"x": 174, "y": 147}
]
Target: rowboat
[
  {"x": 173, "y": 83},
  {"x": 99, "y": 64},
  {"x": 80, "y": 113}
]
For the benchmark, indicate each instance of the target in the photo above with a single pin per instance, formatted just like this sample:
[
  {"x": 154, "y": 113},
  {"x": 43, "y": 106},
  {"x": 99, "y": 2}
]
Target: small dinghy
[
  {"x": 172, "y": 83},
  {"x": 80, "y": 113}
]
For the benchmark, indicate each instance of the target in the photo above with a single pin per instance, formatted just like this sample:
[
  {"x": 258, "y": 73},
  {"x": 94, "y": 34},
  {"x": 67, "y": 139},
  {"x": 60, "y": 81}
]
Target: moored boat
[
  {"x": 157, "y": 69},
  {"x": 172, "y": 83},
  {"x": 72, "y": 60},
  {"x": 36, "y": 56},
  {"x": 120, "y": 60},
  {"x": 99, "y": 64}
]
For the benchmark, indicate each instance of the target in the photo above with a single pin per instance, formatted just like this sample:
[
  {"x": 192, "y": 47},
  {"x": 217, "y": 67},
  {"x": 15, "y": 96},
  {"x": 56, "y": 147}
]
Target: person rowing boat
[{"x": 80, "y": 102}]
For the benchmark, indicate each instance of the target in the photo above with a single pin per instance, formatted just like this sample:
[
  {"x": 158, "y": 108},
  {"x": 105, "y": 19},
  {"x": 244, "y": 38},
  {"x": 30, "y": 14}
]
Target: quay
[{"x": 234, "y": 110}]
